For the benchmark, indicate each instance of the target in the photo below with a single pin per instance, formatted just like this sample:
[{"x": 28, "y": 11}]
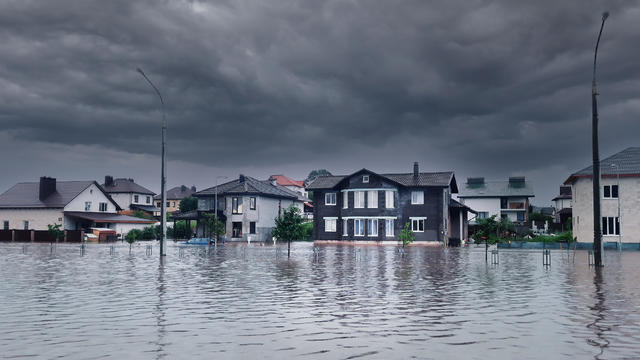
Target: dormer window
[{"x": 365, "y": 178}]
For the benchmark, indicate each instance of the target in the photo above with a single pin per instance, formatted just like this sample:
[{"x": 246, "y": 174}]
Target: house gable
[{"x": 94, "y": 194}]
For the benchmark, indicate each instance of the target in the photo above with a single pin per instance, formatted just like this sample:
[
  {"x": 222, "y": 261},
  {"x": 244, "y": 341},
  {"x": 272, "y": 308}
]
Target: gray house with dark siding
[{"x": 366, "y": 206}]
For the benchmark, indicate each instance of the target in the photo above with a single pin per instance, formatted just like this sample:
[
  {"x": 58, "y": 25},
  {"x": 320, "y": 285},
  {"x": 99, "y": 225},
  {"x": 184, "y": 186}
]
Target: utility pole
[
  {"x": 597, "y": 232},
  {"x": 163, "y": 180}
]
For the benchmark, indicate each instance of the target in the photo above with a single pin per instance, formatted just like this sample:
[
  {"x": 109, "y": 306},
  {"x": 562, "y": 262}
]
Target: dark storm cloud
[{"x": 491, "y": 87}]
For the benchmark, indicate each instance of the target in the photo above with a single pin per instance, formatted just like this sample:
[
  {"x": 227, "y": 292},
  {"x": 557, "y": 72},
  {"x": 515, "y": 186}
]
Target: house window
[
  {"x": 330, "y": 225},
  {"x": 213, "y": 204},
  {"x": 148, "y": 199},
  {"x": 87, "y": 206},
  {"x": 345, "y": 228},
  {"x": 504, "y": 203},
  {"x": 483, "y": 215},
  {"x": 330, "y": 198},
  {"x": 388, "y": 199},
  {"x": 373, "y": 227},
  {"x": 417, "y": 224},
  {"x": 168, "y": 204},
  {"x": 252, "y": 203},
  {"x": 26, "y": 225},
  {"x": 520, "y": 216},
  {"x": 610, "y": 225},
  {"x": 173, "y": 204},
  {"x": 358, "y": 227},
  {"x": 252, "y": 227},
  {"x": 159, "y": 203},
  {"x": 365, "y": 178},
  {"x": 103, "y": 206},
  {"x": 610, "y": 191},
  {"x": 417, "y": 197},
  {"x": 358, "y": 199},
  {"x": 388, "y": 226},
  {"x": 345, "y": 200},
  {"x": 236, "y": 205},
  {"x": 372, "y": 199},
  {"x": 135, "y": 198},
  {"x": 236, "y": 229},
  {"x": 6, "y": 225}
]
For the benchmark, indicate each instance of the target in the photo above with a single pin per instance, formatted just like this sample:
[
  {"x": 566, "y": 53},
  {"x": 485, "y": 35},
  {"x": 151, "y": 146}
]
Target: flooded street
[{"x": 337, "y": 302}]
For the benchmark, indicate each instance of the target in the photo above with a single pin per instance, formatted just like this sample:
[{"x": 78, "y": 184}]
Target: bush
[
  {"x": 148, "y": 233},
  {"x": 308, "y": 231}
]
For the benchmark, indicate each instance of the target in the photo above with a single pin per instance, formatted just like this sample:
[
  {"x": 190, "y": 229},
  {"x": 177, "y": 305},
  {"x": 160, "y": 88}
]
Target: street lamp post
[
  {"x": 619, "y": 215},
  {"x": 216, "y": 199},
  {"x": 597, "y": 231},
  {"x": 163, "y": 181}
]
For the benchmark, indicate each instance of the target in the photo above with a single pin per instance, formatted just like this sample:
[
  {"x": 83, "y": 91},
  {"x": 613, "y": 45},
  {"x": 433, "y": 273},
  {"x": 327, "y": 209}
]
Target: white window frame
[
  {"x": 136, "y": 198},
  {"x": 388, "y": 226},
  {"x": 345, "y": 227},
  {"x": 610, "y": 220},
  {"x": 416, "y": 221},
  {"x": 372, "y": 199},
  {"x": 610, "y": 191},
  {"x": 87, "y": 206},
  {"x": 482, "y": 215},
  {"x": 389, "y": 199},
  {"x": 330, "y": 224},
  {"x": 25, "y": 223},
  {"x": 417, "y": 198},
  {"x": 358, "y": 224},
  {"x": 358, "y": 199},
  {"x": 5, "y": 225},
  {"x": 345, "y": 200},
  {"x": 372, "y": 224},
  {"x": 101, "y": 205},
  {"x": 148, "y": 199},
  {"x": 365, "y": 179},
  {"x": 330, "y": 199}
]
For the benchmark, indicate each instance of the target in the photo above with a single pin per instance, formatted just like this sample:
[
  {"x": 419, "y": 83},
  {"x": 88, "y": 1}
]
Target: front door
[{"x": 237, "y": 229}]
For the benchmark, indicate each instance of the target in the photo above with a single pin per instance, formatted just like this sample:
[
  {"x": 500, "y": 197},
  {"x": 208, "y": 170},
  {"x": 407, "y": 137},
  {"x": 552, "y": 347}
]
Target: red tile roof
[{"x": 285, "y": 181}]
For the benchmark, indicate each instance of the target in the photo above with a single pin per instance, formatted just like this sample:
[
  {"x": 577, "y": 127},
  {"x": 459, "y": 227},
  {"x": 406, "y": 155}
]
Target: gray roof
[
  {"x": 495, "y": 189},
  {"x": 404, "y": 179},
  {"x": 456, "y": 204},
  {"x": 122, "y": 185},
  {"x": 109, "y": 218},
  {"x": 248, "y": 186},
  {"x": 26, "y": 195},
  {"x": 625, "y": 163},
  {"x": 177, "y": 193}
]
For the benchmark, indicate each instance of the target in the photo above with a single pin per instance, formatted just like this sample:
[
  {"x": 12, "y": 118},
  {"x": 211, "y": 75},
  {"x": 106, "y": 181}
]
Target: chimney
[
  {"x": 108, "y": 181},
  {"x": 416, "y": 171},
  {"x": 183, "y": 188},
  {"x": 241, "y": 179},
  {"x": 193, "y": 188},
  {"x": 47, "y": 187}
]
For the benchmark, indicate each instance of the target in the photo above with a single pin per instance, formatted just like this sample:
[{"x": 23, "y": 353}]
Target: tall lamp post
[
  {"x": 597, "y": 232},
  {"x": 163, "y": 181},
  {"x": 216, "y": 199},
  {"x": 615, "y": 166}
]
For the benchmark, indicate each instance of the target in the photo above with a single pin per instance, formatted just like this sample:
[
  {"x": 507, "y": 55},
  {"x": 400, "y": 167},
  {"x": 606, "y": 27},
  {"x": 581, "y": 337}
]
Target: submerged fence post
[
  {"x": 546, "y": 257},
  {"x": 590, "y": 258},
  {"x": 495, "y": 257},
  {"x": 149, "y": 250}
]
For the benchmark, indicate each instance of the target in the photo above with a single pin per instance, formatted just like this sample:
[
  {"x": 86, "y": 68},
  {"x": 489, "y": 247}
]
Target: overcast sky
[{"x": 483, "y": 88}]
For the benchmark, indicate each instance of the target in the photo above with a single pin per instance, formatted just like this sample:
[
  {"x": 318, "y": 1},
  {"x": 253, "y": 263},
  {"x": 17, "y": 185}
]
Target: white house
[
  {"x": 129, "y": 195},
  {"x": 562, "y": 204},
  {"x": 76, "y": 205},
  {"x": 248, "y": 207},
  {"x": 619, "y": 199},
  {"x": 504, "y": 199}
]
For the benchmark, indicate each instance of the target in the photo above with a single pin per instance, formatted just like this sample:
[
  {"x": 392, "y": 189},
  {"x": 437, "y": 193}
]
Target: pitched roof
[
  {"x": 456, "y": 204},
  {"x": 404, "y": 179},
  {"x": 123, "y": 185},
  {"x": 495, "y": 189},
  {"x": 26, "y": 194},
  {"x": 285, "y": 181},
  {"x": 625, "y": 163},
  {"x": 250, "y": 186},
  {"x": 177, "y": 193},
  {"x": 109, "y": 218}
]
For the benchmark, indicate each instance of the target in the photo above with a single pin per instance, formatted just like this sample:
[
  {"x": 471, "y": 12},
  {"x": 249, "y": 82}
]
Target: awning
[
  {"x": 147, "y": 208},
  {"x": 108, "y": 217}
]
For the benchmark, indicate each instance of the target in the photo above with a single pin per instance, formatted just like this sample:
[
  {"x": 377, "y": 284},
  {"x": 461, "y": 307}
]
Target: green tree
[
  {"x": 289, "y": 227},
  {"x": 214, "y": 227},
  {"x": 131, "y": 237},
  {"x": 406, "y": 235},
  {"x": 148, "y": 233},
  {"x": 55, "y": 232},
  {"x": 188, "y": 204},
  {"x": 317, "y": 173},
  {"x": 141, "y": 214}
]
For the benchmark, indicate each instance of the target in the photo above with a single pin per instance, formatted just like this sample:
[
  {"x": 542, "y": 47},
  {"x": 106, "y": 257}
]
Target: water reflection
[{"x": 334, "y": 302}]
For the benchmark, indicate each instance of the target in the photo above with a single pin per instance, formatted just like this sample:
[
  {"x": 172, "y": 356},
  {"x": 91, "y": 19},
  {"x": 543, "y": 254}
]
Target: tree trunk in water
[
  {"x": 289, "y": 248},
  {"x": 486, "y": 250},
  {"x": 130, "y": 249}
]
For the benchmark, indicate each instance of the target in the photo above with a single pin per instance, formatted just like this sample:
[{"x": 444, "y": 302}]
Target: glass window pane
[
  {"x": 614, "y": 191},
  {"x": 607, "y": 191}
]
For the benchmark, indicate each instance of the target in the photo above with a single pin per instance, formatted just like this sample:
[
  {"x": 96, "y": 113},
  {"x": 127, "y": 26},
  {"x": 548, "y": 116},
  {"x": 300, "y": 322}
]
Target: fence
[{"x": 39, "y": 236}]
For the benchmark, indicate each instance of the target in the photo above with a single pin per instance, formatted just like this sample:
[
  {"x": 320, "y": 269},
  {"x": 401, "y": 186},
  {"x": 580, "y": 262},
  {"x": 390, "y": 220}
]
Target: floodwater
[{"x": 328, "y": 302}]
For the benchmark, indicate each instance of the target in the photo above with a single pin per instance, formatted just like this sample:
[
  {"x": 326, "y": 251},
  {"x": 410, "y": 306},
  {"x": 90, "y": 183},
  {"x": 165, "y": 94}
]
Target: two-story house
[
  {"x": 562, "y": 205},
  {"x": 174, "y": 197},
  {"x": 76, "y": 205},
  {"x": 370, "y": 207},
  {"x": 619, "y": 200},
  {"x": 248, "y": 207},
  {"x": 129, "y": 195},
  {"x": 504, "y": 199}
]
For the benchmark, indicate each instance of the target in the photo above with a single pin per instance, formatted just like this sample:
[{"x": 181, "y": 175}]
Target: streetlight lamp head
[
  {"x": 140, "y": 71},
  {"x": 605, "y": 15}
]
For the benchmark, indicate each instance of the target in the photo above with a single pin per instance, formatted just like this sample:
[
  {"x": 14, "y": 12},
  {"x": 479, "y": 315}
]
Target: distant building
[
  {"x": 174, "y": 197},
  {"x": 129, "y": 195},
  {"x": 76, "y": 205},
  {"x": 246, "y": 205},
  {"x": 293, "y": 185},
  {"x": 562, "y": 205},
  {"x": 504, "y": 199},
  {"x": 367, "y": 206},
  {"x": 619, "y": 184}
]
